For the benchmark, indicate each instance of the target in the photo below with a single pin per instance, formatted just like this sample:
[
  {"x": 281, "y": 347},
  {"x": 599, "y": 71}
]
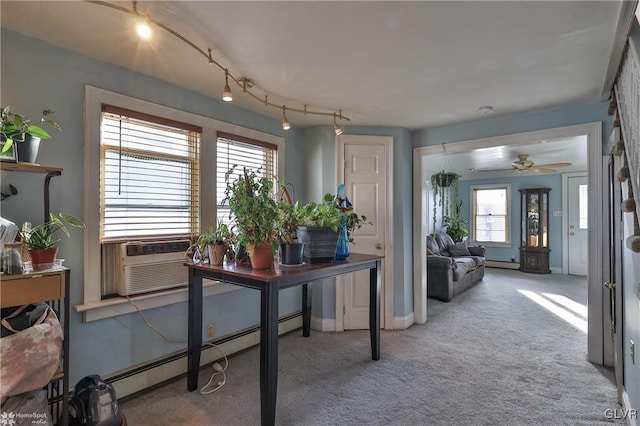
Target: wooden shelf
[{"x": 29, "y": 168}]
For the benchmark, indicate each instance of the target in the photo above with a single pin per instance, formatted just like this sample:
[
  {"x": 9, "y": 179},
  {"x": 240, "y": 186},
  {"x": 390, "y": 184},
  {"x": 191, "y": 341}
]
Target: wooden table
[{"x": 269, "y": 282}]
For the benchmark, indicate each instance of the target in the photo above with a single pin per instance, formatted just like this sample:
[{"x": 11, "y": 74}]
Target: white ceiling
[
  {"x": 496, "y": 161},
  {"x": 407, "y": 64}
]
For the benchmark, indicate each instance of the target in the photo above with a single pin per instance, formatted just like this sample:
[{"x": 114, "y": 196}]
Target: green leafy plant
[
  {"x": 254, "y": 209},
  {"x": 291, "y": 216},
  {"x": 43, "y": 236},
  {"x": 329, "y": 214},
  {"x": 455, "y": 224},
  {"x": 16, "y": 126}
]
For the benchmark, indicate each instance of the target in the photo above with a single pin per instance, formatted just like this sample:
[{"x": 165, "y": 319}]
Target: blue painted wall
[
  {"x": 37, "y": 75},
  {"x": 521, "y": 182}
]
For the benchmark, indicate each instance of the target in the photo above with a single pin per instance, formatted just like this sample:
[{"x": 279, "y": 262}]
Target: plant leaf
[
  {"x": 7, "y": 145},
  {"x": 38, "y": 132}
]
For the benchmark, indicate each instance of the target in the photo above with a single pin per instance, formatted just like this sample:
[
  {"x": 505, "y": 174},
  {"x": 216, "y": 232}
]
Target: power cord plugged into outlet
[{"x": 219, "y": 370}]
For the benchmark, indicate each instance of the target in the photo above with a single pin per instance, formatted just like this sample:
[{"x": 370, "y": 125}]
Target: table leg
[
  {"x": 306, "y": 310},
  {"x": 268, "y": 352},
  {"x": 194, "y": 332},
  {"x": 374, "y": 310}
]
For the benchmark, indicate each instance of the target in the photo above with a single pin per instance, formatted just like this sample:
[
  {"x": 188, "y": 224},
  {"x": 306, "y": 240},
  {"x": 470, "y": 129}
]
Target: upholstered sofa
[{"x": 452, "y": 268}]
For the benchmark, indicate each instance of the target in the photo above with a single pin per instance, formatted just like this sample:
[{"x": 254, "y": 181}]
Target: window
[
  {"x": 149, "y": 178},
  {"x": 583, "y": 197},
  {"x": 490, "y": 214},
  {"x": 238, "y": 152},
  {"x": 182, "y": 160}
]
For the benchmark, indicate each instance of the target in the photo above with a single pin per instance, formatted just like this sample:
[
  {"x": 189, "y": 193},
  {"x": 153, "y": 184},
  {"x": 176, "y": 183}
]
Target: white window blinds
[
  {"x": 149, "y": 176},
  {"x": 490, "y": 215},
  {"x": 239, "y": 152}
]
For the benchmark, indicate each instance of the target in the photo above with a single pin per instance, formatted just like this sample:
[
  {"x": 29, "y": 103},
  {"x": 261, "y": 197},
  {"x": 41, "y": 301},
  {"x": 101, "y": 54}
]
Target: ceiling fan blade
[
  {"x": 540, "y": 169},
  {"x": 553, "y": 165}
]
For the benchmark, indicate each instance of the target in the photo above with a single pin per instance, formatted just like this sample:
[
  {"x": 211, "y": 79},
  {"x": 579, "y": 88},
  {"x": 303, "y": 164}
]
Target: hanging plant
[{"x": 445, "y": 192}]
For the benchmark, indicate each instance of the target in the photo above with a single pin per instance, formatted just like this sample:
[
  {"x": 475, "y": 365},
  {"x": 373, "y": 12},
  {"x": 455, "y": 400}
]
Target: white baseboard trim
[
  {"x": 402, "y": 323},
  {"x": 167, "y": 371},
  {"x": 556, "y": 270},
  {"x": 626, "y": 406},
  {"x": 323, "y": 324}
]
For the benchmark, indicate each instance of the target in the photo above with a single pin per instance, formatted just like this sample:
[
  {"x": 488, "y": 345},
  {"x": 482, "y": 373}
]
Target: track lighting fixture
[
  {"x": 285, "y": 122},
  {"x": 336, "y": 126},
  {"x": 227, "y": 96},
  {"x": 145, "y": 31}
]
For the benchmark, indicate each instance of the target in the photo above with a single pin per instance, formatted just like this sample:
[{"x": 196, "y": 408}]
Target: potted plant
[
  {"x": 322, "y": 224},
  {"x": 18, "y": 128},
  {"x": 212, "y": 245},
  {"x": 291, "y": 216},
  {"x": 254, "y": 212},
  {"x": 41, "y": 239},
  {"x": 455, "y": 224}
]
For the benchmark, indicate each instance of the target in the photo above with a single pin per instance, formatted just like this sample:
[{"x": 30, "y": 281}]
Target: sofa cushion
[
  {"x": 458, "y": 249},
  {"x": 462, "y": 266},
  {"x": 432, "y": 245},
  {"x": 444, "y": 241}
]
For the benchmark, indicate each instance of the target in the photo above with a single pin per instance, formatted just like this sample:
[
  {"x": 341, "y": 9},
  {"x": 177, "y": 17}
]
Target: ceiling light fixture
[
  {"x": 285, "y": 122},
  {"x": 486, "y": 109},
  {"x": 336, "y": 126},
  {"x": 227, "y": 96},
  {"x": 240, "y": 82}
]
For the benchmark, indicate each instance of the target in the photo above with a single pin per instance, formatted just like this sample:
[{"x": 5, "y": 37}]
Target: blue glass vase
[{"x": 342, "y": 250}]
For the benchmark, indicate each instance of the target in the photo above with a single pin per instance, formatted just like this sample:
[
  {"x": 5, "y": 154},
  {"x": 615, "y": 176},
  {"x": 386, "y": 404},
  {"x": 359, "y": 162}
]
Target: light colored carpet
[{"x": 491, "y": 356}]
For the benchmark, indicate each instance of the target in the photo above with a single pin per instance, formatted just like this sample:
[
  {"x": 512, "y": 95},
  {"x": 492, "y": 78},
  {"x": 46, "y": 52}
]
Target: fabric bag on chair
[{"x": 30, "y": 357}]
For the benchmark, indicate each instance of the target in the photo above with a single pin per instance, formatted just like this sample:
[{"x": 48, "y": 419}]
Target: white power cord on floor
[{"x": 217, "y": 368}]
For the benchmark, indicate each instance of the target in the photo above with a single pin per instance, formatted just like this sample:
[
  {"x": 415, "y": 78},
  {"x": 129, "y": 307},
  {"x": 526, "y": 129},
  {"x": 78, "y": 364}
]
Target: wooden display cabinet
[{"x": 534, "y": 222}]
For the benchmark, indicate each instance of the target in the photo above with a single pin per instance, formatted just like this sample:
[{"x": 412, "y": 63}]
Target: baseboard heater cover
[
  {"x": 245, "y": 340},
  {"x": 502, "y": 264}
]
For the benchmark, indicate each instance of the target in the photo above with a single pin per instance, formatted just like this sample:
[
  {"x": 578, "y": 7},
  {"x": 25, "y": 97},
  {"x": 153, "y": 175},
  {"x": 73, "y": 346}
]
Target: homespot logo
[
  {"x": 621, "y": 413},
  {"x": 11, "y": 418}
]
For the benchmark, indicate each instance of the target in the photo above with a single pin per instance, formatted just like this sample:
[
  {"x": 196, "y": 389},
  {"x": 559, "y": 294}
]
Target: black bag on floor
[{"x": 94, "y": 403}]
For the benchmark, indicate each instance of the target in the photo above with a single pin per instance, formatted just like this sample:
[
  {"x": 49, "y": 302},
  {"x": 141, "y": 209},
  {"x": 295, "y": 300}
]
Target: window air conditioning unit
[{"x": 143, "y": 267}]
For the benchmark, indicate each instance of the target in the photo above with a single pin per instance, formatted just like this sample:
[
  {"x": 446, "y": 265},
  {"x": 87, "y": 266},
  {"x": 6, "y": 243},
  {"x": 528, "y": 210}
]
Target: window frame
[
  {"x": 472, "y": 211},
  {"x": 91, "y": 304}
]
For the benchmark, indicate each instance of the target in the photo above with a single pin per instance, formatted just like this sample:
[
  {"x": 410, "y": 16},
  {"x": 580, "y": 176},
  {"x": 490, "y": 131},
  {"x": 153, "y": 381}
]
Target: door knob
[
  {"x": 571, "y": 233},
  {"x": 378, "y": 246},
  {"x": 609, "y": 285},
  {"x": 571, "y": 227}
]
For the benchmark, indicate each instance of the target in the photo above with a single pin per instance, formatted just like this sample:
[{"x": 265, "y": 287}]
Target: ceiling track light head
[
  {"x": 227, "y": 96},
  {"x": 336, "y": 126},
  {"x": 285, "y": 122},
  {"x": 246, "y": 83},
  {"x": 210, "y": 57}
]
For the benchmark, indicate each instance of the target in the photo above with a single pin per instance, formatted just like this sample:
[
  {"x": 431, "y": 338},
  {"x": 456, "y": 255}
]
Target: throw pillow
[{"x": 459, "y": 249}]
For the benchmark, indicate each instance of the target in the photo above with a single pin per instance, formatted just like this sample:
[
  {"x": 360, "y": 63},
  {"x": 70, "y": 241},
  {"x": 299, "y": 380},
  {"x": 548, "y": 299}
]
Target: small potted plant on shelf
[
  {"x": 254, "y": 211},
  {"x": 212, "y": 245},
  {"x": 41, "y": 239},
  {"x": 291, "y": 216},
  {"x": 18, "y": 129}
]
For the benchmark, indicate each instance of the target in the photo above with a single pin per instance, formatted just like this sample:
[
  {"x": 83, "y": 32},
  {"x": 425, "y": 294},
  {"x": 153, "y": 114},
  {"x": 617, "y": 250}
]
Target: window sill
[{"x": 121, "y": 306}]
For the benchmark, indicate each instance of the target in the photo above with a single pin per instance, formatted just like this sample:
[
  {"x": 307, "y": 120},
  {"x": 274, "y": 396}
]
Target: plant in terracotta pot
[
  {"x": 19, "y": 129},
  {"x": 254, "y": 212},
  {"x": 211, "y": 245},
  {"x": 42, "y": 239}
]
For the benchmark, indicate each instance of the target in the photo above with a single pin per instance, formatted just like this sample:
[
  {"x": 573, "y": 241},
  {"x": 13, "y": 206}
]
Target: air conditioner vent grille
[{"x": 156, "y": 276}]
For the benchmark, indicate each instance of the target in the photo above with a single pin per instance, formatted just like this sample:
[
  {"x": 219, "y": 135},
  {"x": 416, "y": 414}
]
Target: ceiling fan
[{"x": 524, "y": 165}]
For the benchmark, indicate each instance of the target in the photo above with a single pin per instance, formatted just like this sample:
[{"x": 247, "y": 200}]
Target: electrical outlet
[
  {"x": 211, "y": 331},
  {"x": 632, "y": 352}
]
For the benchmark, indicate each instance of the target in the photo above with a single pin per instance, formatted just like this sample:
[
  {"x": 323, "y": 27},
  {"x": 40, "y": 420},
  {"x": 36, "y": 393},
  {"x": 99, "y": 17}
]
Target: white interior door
[
  {"x": 578, "y": 238},
  {"x": 365, "y": 178}
]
